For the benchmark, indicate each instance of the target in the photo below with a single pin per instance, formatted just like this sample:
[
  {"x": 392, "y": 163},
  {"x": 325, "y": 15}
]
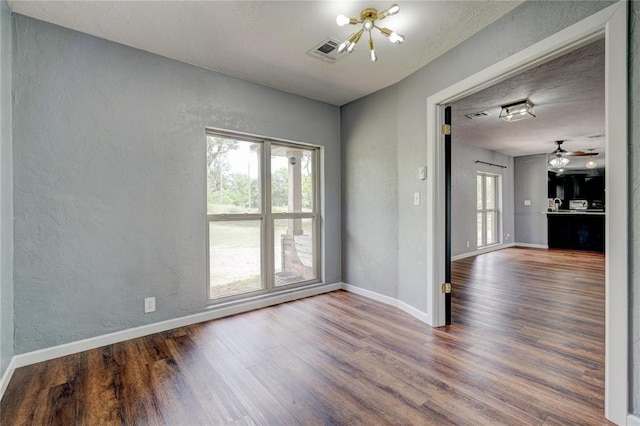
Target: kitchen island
[{"x": 576, "y": 229}]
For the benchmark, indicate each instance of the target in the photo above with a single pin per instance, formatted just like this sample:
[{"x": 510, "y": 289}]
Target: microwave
[{"x": 578, "y": 204}]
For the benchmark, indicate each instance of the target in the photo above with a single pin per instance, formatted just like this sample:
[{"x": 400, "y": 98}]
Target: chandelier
[{"x": 368, "y": 19}]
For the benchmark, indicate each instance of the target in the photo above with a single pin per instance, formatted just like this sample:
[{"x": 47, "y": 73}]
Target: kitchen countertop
[{"x": 571, "y": 212}]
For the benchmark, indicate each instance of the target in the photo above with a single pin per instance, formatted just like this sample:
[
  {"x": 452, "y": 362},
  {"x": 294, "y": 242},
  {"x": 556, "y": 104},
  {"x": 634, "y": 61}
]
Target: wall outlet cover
[{"x": 149, "y": 304}]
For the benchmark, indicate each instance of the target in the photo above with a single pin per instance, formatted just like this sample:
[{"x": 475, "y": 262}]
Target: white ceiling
[
  {"x": 568, "y": 94},
  {"x": 267, "y": 41}
]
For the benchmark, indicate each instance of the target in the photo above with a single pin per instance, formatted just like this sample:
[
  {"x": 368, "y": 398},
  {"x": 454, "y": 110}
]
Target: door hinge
[
  {"x": 446, "y": 129},
  {"x": 446, "y": 288}
]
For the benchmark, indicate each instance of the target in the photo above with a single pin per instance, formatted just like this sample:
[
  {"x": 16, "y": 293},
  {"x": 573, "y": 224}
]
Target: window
[
  {"x": 487, "y": 192},
  {"x": 262, "y": 204}
]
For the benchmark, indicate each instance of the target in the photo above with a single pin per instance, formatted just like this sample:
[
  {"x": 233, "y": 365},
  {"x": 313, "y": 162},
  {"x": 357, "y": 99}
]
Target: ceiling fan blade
[{"x": 582, "y": 154}]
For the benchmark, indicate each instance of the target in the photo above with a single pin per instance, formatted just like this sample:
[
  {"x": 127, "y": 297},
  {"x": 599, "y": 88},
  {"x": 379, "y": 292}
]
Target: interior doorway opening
[{"x": 612, "y": 22}]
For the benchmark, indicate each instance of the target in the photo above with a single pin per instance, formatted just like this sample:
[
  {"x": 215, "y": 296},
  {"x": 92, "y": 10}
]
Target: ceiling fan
[
  {"x": 561, "y": 152},
  {"x": 558, "y": 158}
]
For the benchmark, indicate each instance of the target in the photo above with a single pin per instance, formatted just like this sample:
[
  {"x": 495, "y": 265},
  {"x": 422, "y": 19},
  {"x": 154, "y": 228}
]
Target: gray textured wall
[
  {"x": 405, "y": 104},
  {"x": 531, "y": 184},
  {"x": 370, "y": 195},
  {"x": 463, "y": 184},
  {"x": 6, "y": 193},
  {"x": 634, "y": 167},
  {"x": 109, "y": 179}
]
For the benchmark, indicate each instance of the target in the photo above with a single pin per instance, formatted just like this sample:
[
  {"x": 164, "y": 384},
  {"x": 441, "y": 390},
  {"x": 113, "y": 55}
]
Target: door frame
[{"x": 610, "y": 23}]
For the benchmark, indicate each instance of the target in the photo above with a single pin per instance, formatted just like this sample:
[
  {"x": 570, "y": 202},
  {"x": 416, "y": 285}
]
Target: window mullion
[
  {"x": 484, "y": 210},
  {"x": 267, "y": 241}
]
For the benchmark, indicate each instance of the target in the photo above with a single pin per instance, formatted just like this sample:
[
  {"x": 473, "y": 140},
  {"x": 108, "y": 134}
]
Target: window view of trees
[
  {"x": 233, "y": 178},
  {"x": 233, "y": 171}
]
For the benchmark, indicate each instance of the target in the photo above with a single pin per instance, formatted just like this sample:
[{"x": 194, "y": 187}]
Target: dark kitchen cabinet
[
  {"x": 577, "y": 185},
  {"x": 576, "y": 231}
]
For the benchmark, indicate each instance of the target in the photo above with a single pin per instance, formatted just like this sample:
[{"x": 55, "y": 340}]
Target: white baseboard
[
  {"x": 416, "y": 313},
  {"x": 482, "y": 251},
  {"x": 6, "y": 376},
  {"x": 370, "y": 294},
  {"x": 539, "y": 246},
  {"x": 145, "y": 330},
  {"x": 633, "y": 420}
]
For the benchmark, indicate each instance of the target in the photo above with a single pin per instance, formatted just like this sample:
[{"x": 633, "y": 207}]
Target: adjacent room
[{"x": 264, "y": 212}]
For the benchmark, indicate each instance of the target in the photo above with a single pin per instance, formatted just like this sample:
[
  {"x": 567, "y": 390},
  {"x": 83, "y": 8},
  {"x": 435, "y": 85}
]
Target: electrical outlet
[
  {"x": 416, "y": 198},
  {"x": 149, "y": 304},
  {"x": 467, "y": 244}
]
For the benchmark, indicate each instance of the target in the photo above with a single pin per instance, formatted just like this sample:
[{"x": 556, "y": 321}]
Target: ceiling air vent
[
  {"x": 326, "y": 50},
  {"x": 477, "y": 115}
]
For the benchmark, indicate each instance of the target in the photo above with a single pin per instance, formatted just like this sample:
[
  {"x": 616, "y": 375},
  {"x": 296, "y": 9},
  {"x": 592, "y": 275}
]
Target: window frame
[
  {"x": 496, "y": 210},
  {"x": 267, "y": 218}
]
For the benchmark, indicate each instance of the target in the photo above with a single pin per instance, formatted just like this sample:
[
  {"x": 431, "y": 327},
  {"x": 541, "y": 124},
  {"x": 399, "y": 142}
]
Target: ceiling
[
  {"x": 568, "y": 94},
  {"x": 267, "y": 41}
]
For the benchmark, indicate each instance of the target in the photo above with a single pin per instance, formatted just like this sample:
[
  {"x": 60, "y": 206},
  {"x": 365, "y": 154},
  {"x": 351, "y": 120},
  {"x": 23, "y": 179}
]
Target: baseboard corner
[
  {"x": 6, "y": 376},
  {"x": 387, "y": 300}
]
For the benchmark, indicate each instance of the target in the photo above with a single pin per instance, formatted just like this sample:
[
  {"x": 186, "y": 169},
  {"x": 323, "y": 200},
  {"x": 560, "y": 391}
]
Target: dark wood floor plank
[{"x": 526, "y": 347}]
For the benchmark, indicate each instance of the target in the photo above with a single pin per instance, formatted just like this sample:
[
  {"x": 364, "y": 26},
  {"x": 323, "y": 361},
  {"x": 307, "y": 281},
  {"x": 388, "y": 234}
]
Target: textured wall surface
[
  {"x": 634, "y": 167},
  {"x": 370, "y": 197},
  {"x": 531, "y": 184},
  {"x": 464, "y": 202},
  {"x": 6, "y": 192},
  {"x": 109, "y": 179},
  {"x": 525, "y": 25}
]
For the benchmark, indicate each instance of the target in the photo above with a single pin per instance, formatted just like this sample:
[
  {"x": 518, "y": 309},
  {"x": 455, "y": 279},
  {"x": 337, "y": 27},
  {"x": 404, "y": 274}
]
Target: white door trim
[{"x": 612, "y": 23}]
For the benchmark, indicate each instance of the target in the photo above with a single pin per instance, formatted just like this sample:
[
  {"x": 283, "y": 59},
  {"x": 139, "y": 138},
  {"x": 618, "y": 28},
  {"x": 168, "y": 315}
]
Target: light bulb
[
  {"x": 591, "y": 164},
  {"x": 343, "y": 46},
  {"x": 367, "y": 24},
  {"x": 393, "y": 10},
  {"x": 342, "y": 20},
  {"x": 396, "y": 38},
  {"x": 372, "y": 49},
  {"x": 351, "y": 47}
]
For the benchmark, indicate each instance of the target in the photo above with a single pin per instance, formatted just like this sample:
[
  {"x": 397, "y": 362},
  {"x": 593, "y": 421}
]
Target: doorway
[{"x": 612, "y": 22}]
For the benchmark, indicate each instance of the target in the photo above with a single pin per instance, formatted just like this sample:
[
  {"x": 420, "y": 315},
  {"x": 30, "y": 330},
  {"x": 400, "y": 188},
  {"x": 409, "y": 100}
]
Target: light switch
[
  {"x": 527, "y": 202},
  {"x": 422, "y": 173},
  {"x": 416, "y": 198}
]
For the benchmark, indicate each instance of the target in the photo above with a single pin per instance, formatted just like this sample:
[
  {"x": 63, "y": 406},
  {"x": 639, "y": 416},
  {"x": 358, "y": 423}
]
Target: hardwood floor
[{"x": 526, "y": 348}]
